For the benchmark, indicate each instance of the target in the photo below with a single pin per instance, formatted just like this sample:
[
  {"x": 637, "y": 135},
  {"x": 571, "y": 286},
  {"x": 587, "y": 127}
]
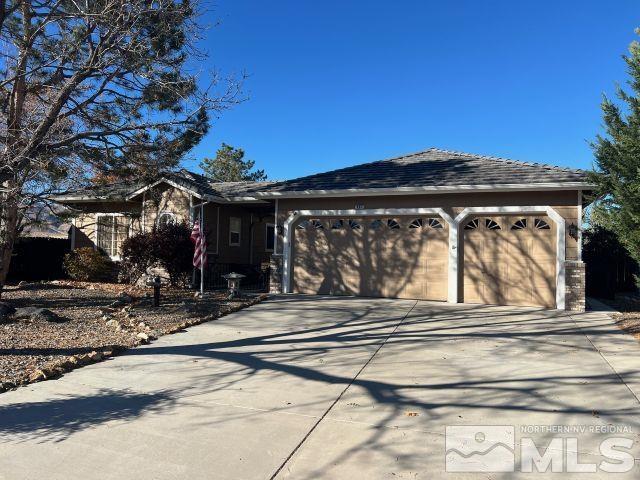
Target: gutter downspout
[
  {"x": 275, "y": 230},
  {"x": 580, "y": 225},
  {"x": 73, "y": 234},
  {"x": 144, "y": 218},
  {"x": 191, "y": 220}
]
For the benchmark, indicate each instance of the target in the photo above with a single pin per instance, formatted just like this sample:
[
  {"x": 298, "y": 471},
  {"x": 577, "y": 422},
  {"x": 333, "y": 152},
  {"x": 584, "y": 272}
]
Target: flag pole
[{"x": 203, "y": 253}]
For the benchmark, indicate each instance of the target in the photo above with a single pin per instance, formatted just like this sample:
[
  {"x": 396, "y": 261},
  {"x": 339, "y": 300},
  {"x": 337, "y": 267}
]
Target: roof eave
[
  {"x": 141, "y": 190},
  {"x": 440, "y": 189},
  {"x": 244, "y": 199},
  {"x": 86, "y": 199}
]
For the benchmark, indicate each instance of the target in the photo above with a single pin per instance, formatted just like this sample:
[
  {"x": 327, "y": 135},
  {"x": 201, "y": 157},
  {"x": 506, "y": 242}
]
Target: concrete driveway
[{"x": 336, "y": 388}]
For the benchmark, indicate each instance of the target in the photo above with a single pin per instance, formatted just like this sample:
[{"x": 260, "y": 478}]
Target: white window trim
[
  {"x": 266, "y": 236},
  {"x": 169, "y": 214},
  {"x": 454, "y": 238},
  {"x": 239, "y": 232},
  {"x": 115, "y": 258}
]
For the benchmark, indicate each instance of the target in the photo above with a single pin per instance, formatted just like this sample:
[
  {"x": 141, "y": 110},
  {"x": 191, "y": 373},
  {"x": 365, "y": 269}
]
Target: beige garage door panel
[
  {"x": 377, "y": 257},
  {"x": 510, "y": 261}
]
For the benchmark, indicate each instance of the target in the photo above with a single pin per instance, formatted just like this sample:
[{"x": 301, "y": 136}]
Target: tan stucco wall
[
  {"x": 165, "y": 198},
  {"x": 85, "y": 222}
]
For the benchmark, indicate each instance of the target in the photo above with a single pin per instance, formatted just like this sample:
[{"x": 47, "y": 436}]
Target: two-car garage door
[
  {"x": 506, "y": 260},
  {"x": 373, "y": 257}
]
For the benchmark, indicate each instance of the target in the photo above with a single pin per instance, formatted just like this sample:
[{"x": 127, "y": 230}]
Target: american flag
[{"x": 200, "y": 242}]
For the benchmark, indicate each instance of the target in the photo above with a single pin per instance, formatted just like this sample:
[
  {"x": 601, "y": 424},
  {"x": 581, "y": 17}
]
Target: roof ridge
[
  {"x": 504, "y": 159},
  {"x": 211, "y": 181}
]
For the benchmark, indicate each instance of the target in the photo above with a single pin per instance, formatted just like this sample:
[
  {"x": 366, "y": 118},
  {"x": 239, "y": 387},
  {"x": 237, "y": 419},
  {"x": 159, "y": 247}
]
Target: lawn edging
[{"x": 56, "y": 369}]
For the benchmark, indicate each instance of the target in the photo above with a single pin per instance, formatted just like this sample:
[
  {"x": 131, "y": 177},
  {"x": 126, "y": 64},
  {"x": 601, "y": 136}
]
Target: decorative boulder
[
  {"x": 39, "y": 314},
  {"x": 125, "y": 298},
  {"x": 6, "y": 310}
]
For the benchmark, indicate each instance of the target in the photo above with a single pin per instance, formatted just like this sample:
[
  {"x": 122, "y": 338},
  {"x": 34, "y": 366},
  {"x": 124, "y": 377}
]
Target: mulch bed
[
  {"x": 627, "y": 317},
  {"x": 99, "y": 320}
]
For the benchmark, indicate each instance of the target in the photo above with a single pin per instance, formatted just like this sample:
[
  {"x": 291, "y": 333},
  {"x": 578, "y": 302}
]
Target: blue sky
[{"x": 336, "y": 83}]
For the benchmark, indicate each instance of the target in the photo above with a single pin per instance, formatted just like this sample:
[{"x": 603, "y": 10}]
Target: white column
[
  {"x": 275, "y": 230},
  {"x": 452, "y": 291},
  {"x": 286, "y": 250}
]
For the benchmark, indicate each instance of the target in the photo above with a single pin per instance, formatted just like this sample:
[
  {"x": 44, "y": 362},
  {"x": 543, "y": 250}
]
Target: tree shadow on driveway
[{"x": 294, "y": 348}]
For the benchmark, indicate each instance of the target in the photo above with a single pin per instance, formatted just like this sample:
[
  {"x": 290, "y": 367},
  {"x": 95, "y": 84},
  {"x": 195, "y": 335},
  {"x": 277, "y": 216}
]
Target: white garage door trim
[
  {"x": 377, "y": 212},
  {"x": 454, "y": 236},
  {"x": 454, "y": 244}
]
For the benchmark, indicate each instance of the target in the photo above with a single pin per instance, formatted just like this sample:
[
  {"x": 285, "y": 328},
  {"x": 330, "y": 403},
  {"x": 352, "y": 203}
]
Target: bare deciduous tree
[{"x": 95, "y": 87}]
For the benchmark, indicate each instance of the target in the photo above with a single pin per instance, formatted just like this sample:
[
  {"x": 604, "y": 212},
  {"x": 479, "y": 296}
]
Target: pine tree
[
  {"x": 94, "y": 88},
  {"x": 229, "y": 165},
  {"x": 617, "y": 158}
]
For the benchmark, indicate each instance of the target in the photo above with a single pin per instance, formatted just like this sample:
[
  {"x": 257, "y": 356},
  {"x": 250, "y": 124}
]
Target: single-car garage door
[
  {"x": 376, "y": 257},
  {"x": 510, "y": 261}
]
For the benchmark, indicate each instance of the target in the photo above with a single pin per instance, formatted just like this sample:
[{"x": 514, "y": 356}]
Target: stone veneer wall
[
  {"x": 575, "y": 286},
  {"x": 275, "y": 280}
]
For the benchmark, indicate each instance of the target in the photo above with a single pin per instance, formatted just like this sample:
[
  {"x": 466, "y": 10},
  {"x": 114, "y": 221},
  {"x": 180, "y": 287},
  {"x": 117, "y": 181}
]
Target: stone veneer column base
[
  {"x": 575, "y": 286},
  {"x": 275, "y": 279}
]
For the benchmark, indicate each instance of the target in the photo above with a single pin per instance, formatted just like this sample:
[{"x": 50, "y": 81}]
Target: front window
[
  {"x": 235, "y": 224},
  {"x": 270, "y": 240},
  {"x": 166, "y": 218},
  {"x": 112, "y": 230}
]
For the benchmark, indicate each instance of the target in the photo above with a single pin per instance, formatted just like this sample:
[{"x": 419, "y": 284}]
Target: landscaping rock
[
  {"x": 143, "y": 336},
  {"x": 37, "y": 375},
  {"x": 113, "y": 323},
  {"x": 29, "y": 285},
  {"x": 125, "y": 298},
  {"x": 55, "y": 348},
  {"x": 39, "y": 314},
  {"x": 94, "y": 356},
  {"x": 6, "y": 310}
]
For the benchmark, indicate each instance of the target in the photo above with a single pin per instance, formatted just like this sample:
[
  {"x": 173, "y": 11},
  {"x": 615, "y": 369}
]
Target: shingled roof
[
  {"x": 431, "y": 169},
  {"x": 195, "y": 183}
]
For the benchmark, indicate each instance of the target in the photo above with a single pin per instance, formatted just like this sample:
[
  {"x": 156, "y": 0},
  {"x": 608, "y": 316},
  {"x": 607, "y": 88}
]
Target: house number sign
[{"x": 359, "y": 206}]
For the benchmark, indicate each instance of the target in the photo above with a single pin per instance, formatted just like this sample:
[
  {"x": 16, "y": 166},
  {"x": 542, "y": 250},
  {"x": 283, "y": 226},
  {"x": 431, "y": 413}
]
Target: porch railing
[{"x": 256, "y": 276}]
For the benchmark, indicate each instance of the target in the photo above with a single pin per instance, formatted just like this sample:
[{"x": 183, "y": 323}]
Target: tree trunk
[{"x": 8, "y": 234}]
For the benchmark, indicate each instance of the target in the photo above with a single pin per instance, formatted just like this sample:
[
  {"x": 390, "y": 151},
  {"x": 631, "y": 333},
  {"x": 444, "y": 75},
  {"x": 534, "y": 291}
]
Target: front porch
[
  {"x": 240, "y": 238},
  {"x": 256, "y": 276}
]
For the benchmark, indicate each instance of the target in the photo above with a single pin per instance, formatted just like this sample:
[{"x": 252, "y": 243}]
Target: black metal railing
[{"x": 256, "y": 276}]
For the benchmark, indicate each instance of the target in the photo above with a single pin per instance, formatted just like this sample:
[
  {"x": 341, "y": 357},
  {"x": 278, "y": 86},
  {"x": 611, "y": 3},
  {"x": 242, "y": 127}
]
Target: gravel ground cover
[
  {"x": 628, "y": 312},
  {"x": 95, "y": 321}
]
